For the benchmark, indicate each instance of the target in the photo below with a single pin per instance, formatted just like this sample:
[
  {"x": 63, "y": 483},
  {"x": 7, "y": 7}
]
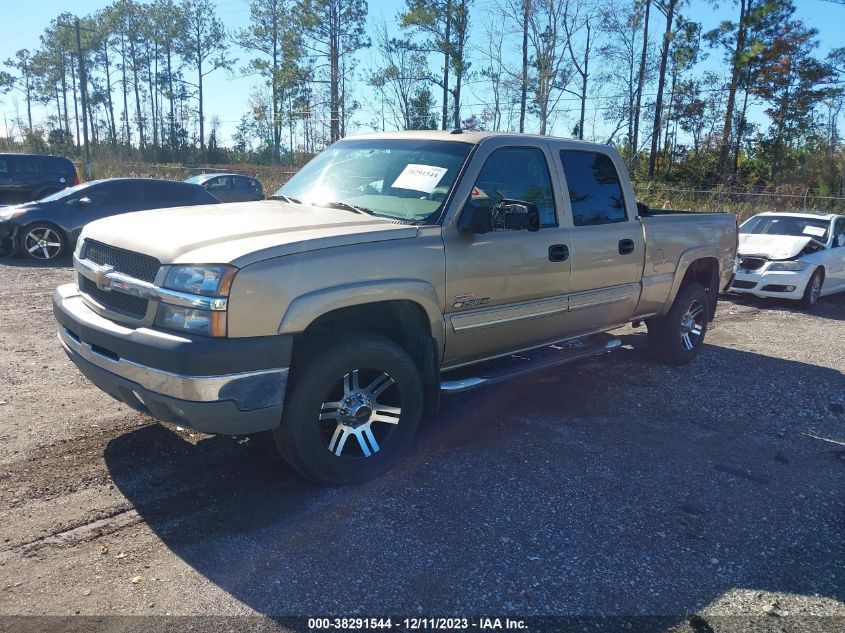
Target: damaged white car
[{"x": 798, "y": 256}]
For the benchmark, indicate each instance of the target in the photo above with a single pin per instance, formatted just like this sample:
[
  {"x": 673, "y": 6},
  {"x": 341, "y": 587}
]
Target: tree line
[{"x": 626, "y": 72}]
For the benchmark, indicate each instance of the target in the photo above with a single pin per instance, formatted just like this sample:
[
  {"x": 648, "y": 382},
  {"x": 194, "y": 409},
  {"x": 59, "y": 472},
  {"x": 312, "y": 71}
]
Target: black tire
[
  {"x": 329, "y": 444},
  {"x": 676, "y": 337},
  {"x": 54, "y": 242},
  {"x": 812, "y": 293}
]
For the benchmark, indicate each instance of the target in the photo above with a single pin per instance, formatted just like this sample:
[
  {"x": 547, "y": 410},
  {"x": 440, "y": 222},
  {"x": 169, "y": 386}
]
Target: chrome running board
[{"x": 516, "y": 365}]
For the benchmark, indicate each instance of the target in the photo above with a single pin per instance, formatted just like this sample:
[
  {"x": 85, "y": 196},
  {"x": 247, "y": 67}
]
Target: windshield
[
  {"x": 65, "y": 192},
  {"x": 787, "y": 225},
  {"x": 405, "y": 179}
]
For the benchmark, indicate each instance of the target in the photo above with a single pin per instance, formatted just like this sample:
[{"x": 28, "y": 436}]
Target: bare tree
[{"x": 551, "y": 71}]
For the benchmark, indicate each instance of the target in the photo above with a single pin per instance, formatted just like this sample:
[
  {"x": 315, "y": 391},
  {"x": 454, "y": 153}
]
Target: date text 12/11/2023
[{"x": 416, "y": 624}]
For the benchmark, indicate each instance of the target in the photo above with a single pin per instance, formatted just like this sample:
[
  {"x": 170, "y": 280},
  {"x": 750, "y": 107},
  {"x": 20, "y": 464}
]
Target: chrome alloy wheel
[
  {"x": 692, "y": 325},
  {"x": 369, "y": 414},
  {"x": 42, "y": 243}
]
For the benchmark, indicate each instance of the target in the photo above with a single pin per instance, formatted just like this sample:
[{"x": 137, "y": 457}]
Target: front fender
[{"x": 305, "y": 309}]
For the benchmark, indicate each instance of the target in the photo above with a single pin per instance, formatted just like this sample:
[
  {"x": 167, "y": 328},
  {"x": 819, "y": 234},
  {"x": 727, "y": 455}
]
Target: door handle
[
  {"x": 558, "y": 253},
  {"x": 626, "y": 247}
]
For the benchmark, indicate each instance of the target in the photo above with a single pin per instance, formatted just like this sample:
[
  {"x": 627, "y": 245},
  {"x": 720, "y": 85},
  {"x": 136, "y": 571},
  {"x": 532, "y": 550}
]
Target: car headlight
[
  {"x": 192, "y": 320},
  {"x": 214, "y": 280},
  {"x": 788, "y": 266},
  {"x": 209, "y": 281},
  {"x": 8, "y": 214}
]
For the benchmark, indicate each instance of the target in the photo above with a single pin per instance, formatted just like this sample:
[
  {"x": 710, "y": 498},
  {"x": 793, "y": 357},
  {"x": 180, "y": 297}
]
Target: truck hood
[
  {"x": 240, "y": 233},
  {"x": 772, "y": 246}
]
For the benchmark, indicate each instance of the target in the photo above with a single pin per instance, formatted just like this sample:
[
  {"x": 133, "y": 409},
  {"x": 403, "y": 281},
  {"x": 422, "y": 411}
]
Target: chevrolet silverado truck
[{"x": 390, "y": 269}]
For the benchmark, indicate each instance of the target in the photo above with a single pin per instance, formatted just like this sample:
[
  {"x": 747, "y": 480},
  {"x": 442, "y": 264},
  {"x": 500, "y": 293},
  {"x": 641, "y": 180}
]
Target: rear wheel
[
  {"x": 813, "y": 291},
  {"x": 676, "y": 337},
  {"x": 353, "y": 412},
  {"x": 42, "y": 242}
]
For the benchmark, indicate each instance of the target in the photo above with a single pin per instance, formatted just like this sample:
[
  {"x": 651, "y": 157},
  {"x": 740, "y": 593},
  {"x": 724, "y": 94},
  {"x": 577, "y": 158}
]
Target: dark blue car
[{"x": 48, "y": 228}]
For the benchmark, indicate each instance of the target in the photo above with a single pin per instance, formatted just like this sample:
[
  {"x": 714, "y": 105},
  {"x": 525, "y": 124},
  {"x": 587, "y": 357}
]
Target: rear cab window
[{"x": 595, "y": 190}]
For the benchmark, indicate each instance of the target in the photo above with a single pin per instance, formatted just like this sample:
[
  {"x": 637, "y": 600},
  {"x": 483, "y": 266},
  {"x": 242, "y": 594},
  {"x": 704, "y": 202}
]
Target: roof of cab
[{"x": 465, "y": 136}]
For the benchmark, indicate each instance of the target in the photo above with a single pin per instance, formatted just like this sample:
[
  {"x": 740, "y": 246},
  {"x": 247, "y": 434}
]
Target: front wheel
[
  {"x": 42, "y": 242},
  {"x": 813, "y": 291},
  {"x": 353, "y": 412},
  {"x": 676, "y": 337}
]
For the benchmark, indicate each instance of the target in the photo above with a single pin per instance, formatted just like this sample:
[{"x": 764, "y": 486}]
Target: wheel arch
[
  {"x": 702, "y": 265},
  {"x": 412, "y": 320}
]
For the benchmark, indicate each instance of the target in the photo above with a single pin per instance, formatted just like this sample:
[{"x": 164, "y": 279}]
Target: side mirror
[
  {"x": 507, "y": 215},
  {"x": 840, "y": 239}
]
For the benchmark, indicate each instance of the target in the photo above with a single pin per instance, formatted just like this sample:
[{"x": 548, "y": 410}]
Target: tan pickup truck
[{"x": 392, "y": 268}]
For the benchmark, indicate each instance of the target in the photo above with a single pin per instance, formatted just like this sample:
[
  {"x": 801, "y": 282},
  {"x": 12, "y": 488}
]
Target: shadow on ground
[
  {"x": 14, "y": 261},
  {"x": 618, "y": 487},
  {"x": 829, "y": 307}
]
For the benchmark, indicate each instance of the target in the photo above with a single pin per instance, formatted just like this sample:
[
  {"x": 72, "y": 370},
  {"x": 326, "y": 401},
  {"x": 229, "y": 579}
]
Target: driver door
[
  {"x": 836, "y": 257},
  {"x": 506, "y": 290}
]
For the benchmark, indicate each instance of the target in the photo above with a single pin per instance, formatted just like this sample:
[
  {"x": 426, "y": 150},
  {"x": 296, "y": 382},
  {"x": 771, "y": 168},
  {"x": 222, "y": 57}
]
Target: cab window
[
  {"x": 517, "y": 173},
  {"x": 595, "y": 191}
]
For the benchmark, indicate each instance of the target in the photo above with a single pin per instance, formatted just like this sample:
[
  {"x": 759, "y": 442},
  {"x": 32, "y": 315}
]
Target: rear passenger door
[
  {"x": 26, "y": 177},
  {"x": 608, "y": 249},
  {"x": 6, "y": 188}
]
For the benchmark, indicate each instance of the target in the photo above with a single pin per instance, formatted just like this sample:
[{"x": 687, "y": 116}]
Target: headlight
[
  {"x": 213, "y": 280},
  {"x": 790, "y": 266},
  {"x": 210, "y": 281},
  {"x": 8, "y": 214},
  {"x": 192, "y": 320}
]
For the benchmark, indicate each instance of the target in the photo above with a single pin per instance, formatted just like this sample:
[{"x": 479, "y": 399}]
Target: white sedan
[{"x": 798, "y": 256}]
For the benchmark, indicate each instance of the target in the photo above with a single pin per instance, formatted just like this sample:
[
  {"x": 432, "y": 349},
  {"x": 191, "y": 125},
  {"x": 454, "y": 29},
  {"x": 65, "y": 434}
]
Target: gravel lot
[{"x": 616, "y": 487}]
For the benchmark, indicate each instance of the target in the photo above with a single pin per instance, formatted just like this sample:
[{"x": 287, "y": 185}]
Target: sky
[{"x": 226, "y": 95}]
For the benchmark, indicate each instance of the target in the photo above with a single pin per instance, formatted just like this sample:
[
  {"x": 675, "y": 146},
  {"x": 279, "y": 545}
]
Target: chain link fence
[{"x": 743, "y": 203}]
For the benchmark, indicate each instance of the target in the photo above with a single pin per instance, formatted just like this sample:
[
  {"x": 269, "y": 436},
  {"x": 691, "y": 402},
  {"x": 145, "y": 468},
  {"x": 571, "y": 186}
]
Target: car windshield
[
  {"x": 407, "y": 179},
  {"x": 795, "y": 226},
  {"x": 65, "y": 192}
]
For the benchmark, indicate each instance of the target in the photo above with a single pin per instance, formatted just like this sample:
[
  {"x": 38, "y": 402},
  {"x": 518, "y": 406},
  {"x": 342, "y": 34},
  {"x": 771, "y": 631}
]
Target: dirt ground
[{"x": 617, "y": 487}]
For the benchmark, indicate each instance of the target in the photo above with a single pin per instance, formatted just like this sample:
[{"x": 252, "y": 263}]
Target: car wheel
[
  {"x": 353, "y": 412},
  {"x": 42, "y": 242},
  {"x": 676, "y": 337},
  {"x": 813, "y": 291}
]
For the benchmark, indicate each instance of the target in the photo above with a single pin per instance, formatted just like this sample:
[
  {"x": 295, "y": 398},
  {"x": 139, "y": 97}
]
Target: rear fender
[{"x": 706, "y": 251}]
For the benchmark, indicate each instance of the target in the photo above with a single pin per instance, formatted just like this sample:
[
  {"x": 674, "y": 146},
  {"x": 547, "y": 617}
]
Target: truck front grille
[
  {"x": 120, "y": 302},
  {"x": 135, "y": 265}
]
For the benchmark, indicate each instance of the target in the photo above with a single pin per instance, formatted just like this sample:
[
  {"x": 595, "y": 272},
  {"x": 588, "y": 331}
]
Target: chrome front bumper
[
  {"x": 248, "y": 390},
  {"x": 228, "y": 403}
]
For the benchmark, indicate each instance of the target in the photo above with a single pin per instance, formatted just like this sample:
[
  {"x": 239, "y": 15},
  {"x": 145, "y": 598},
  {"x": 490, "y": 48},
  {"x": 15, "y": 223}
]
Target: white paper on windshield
[
  {"x": 818, "y": 231},
  {"x": 420, "y": 178}
]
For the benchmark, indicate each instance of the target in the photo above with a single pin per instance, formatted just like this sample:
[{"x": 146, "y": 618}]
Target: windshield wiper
[
  {"x": 284, "y": 198},
  {"x": 348, "y": 207}
]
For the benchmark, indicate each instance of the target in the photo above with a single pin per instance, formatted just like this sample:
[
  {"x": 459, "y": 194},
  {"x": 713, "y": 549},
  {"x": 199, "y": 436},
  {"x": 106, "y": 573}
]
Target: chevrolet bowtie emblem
[{"x": 101, "y": 279}]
